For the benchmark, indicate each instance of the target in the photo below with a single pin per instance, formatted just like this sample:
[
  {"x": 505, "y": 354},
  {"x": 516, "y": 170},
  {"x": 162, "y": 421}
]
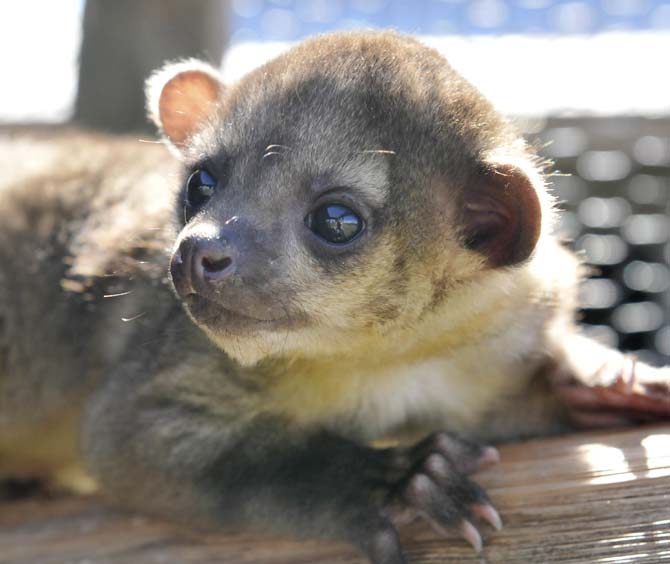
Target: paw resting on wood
[
  {"x": 430, "y": 480},
  {"x": 620, "y": 391}
]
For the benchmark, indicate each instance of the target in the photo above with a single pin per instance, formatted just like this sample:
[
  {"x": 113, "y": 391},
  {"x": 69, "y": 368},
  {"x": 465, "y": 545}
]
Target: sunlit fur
[
  {"x": 428, "y": 372},
  {"x": 379, "y": 307},
  {"x": 404, "y": 319},
  {"x": 452, "y": 310}
]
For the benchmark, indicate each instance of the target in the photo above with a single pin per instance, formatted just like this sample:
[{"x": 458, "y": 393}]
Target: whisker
[
  {"x": 276, "y": 146},
  {"x": 377, "y": 152},
  {"x": 275, "y": 149},
  {"x": 134, "y": 317},
  {"x": 117, "y": 295}
]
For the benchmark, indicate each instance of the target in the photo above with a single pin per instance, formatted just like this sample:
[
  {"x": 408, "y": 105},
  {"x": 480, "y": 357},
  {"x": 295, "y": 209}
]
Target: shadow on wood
[{"x": 589, "y": 497}]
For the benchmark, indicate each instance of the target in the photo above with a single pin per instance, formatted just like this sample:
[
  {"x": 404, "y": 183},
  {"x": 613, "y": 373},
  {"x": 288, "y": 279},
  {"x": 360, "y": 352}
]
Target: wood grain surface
[{"x": 589, "y": 497}]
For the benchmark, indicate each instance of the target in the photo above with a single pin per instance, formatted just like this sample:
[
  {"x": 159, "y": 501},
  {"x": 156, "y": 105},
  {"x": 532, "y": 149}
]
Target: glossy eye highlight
[
  {"x": 199, "y": 189},
  {"x": 335, "y": 223}
]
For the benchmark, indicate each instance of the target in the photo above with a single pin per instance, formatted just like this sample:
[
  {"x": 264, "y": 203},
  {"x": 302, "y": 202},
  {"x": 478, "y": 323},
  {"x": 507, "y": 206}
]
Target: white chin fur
[
  {"x": 249, "y": 351},
  {"x": 300, "y": 343}
]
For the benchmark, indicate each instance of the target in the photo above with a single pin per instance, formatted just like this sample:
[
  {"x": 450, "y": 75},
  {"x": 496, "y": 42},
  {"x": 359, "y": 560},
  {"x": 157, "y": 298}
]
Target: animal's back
[{"x": 77, "y": 219}]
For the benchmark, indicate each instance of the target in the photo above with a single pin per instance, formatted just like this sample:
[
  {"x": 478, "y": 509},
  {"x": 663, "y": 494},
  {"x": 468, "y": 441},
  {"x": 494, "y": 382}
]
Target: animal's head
[{"x": 340, "y": 191}]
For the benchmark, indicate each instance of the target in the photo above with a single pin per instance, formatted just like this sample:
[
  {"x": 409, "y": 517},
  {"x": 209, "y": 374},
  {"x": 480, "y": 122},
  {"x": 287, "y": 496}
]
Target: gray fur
[{"x": 189, "y": 418}]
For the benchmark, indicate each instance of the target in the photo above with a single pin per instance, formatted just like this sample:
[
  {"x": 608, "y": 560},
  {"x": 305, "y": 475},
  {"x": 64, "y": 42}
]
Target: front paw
[{"x": 430, "y": 480}]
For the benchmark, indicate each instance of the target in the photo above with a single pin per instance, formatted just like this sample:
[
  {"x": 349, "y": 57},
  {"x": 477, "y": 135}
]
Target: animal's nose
[
  {"x": 212, "y": 260},
  {"x": 201, "y": 263}
]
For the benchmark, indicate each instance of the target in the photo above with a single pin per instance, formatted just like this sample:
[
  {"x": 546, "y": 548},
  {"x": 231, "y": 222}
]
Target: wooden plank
[{"x": 589, "y": 497}]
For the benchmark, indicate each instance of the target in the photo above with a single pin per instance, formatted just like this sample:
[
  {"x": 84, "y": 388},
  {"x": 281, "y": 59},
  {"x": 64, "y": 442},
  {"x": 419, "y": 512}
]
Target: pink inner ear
[
  {"x": 185, "y": 102},
  {"x": 502, "y": 217}
]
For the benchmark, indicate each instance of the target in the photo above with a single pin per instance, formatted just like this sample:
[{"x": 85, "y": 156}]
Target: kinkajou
[{"x": 347, "y": 245}]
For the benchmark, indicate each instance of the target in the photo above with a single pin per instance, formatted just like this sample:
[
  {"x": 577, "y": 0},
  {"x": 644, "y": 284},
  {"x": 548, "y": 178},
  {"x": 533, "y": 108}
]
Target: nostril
[
  {"x": 213, "y": 265},
  {"x": 210, "y": 262}
]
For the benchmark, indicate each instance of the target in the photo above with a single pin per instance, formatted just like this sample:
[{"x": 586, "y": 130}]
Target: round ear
[
  {"x": 503, "y": 215},
  {"x": 180, "y": 97}
]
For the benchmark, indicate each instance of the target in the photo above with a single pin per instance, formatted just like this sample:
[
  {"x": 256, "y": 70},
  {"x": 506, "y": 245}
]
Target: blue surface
[{"x": 293, "y": 19}]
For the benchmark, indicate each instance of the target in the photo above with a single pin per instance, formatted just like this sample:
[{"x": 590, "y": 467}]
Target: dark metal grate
[{"x": 616, "y": 202}]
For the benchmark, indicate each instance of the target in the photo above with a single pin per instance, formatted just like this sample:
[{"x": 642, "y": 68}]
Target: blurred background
[{"x": 587, "y": 82}]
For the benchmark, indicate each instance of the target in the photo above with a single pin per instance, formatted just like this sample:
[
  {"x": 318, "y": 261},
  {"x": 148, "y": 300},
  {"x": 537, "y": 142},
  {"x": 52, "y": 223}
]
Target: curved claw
[
  {"x": 471, "y": 535},
  {"x": 489, "y": 455},
  {"x": 489, "y": 514}
]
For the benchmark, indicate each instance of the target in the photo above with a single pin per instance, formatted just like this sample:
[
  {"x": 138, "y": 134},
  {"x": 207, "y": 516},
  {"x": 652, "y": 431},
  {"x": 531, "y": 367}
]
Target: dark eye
[
  {"x": 199, "y": 189},
  {"x": 335, "y": 223}
]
